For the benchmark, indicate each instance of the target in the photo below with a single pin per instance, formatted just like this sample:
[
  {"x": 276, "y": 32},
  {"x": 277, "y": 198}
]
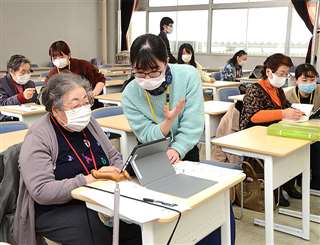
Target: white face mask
[
  {"x": 186, "y": 58},
  {"x": 151, "y": 83},
  {"x": 277, "y": 81},
  {"x": 79, "y": 118},
  {"x": 60, "y": 62},
  {"x": 23, "y": 79},
  {"x": 241, "y": 62},
  {"x": 169, "y": 29}
]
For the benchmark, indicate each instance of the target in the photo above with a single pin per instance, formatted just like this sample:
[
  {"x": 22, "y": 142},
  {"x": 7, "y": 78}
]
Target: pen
[
  {"x": 161, "y": 202},
  {"x": 304, "y": 114}
]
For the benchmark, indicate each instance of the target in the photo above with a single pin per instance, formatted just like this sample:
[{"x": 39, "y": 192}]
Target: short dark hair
[
  {"x": 145, "y": 50},
  {"x": 16, "y": 61},
  {"x": 188, "y": 47},
  {"x": 307, "y": 70},
  {"x": 58, "y": 85},
  {"x": 239, "y": 53},
  {"x": 165, "y": 21},
  {"x": 59, "y": 47},
  {"x": 274, "y": 61}
]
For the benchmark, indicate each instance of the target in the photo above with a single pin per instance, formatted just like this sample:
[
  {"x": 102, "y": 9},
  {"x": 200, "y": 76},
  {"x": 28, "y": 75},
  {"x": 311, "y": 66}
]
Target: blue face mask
[{"x": 307, "y": 88}]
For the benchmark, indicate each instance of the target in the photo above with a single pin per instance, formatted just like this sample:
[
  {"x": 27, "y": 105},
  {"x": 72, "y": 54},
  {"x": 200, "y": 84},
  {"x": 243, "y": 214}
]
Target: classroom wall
[
  {"x": 218, "y": 60},
  {"x": 28, "y": 27}
]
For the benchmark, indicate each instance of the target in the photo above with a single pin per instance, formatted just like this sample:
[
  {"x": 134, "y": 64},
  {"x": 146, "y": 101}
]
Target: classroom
[{"x": 127, "y": 122}]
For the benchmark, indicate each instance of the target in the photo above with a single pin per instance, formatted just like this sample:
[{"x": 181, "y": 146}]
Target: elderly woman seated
[{"x": 58, "y": 155}]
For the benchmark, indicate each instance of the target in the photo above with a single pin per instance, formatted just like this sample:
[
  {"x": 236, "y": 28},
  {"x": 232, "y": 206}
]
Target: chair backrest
[
  {"x": 44, "y": 74},
  {"x": 217, "y": 76},
  {"x": 6, "y": 127},
  {"x": 224, "y": 93},
  {"x": 107, "y": 111}
]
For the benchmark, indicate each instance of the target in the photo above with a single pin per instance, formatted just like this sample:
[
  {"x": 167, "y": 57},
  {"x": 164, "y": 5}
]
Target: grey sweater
[{"x": 37, "y": 160}]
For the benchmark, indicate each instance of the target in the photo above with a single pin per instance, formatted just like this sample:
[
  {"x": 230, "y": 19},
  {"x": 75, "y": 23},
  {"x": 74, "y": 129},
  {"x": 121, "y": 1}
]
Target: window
[
  {"x": 300, "y": 36},
  {"x": 266, "y": 34},
  {"x": 185, "y": 29},
  {"x": 161, "y": 3},
  {"x": 191, "y": 31},
  {"x": 251, "y": 29},
  {"x": 228, "y": 36},
  {"x": 139, "y": 26},
  {"x": 239, "y": 1}
]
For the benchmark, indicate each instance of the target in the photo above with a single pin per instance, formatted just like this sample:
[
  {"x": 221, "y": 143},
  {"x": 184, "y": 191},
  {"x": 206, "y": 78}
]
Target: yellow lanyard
[
  {"x": 310, "y": 100},
  {"x": 150, "y": 104}
]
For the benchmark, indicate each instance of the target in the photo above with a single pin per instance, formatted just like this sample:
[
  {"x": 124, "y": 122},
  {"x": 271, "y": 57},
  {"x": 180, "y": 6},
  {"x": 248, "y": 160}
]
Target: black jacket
[
  {"x": 9, "y": 188},
  {"x": 9, "y": 96},
  {"x": 8, "y": 92},
  {"x": 164, "y": 37}
]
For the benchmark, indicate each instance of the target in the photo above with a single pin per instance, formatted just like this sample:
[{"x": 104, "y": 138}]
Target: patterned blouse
[
  {"x": 257, "y": 99},
  {"x": 231, "y": 72}
]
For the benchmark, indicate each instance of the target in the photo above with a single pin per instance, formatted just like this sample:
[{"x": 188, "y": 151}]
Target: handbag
[{"x": 253, "y": 186}]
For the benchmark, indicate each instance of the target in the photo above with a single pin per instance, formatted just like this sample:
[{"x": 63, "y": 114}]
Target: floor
[{"x": 248, "y": 233}]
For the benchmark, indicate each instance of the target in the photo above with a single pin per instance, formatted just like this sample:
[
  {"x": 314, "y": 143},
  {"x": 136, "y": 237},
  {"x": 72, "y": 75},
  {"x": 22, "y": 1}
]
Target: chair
[
  {"x": 217, "y": 76},
  {"x": 108, "y": 112},
  {"x": 44, "y": 74},
  {"x": 6, "y": 127},
  {"x": 224, "y": 93},
  {"x": 229, "y": 166}
]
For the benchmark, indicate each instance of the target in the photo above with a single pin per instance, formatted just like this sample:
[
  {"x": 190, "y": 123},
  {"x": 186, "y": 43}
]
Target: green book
[{"x": 295, "y": 130}]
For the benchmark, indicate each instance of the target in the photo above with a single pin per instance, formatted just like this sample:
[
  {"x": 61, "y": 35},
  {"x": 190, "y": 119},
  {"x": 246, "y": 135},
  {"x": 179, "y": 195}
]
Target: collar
[{"x": 163, "y": 87}]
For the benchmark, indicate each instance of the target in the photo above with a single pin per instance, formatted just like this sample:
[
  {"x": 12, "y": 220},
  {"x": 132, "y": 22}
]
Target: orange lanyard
[{"x": 74, "y": 150}]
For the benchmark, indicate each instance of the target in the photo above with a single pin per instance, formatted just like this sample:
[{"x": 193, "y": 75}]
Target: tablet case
[{"x": 154, "y": 171}]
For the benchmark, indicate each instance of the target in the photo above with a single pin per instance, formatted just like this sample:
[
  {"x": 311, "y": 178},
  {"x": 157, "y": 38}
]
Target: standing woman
[
  {"x": 233, "y": 69},
  {"x": 186, "y": 56},
  {"x": 16, "y": 88},
  {"x": 60, "y": 56},
  {"x": 164, "y": 100}
]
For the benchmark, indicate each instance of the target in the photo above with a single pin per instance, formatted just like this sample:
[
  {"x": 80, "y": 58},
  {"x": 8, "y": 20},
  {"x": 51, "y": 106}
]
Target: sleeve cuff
[
  {"x": 179, "y": 149},
  {"x": 21, "y": 98}
]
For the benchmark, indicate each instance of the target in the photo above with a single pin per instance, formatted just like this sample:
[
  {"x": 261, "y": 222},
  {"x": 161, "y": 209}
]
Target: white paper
[
  {"x": 26, "y": 108},
  {"x": 131, "y": 209},
  {"x": 305, "y": 108}
]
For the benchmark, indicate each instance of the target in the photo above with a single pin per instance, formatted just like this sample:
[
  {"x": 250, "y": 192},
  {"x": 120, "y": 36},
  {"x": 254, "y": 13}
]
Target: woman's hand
[
  {"x": 172, "y": 114},
  {"x": 89, "y": 178},
  {"x": 28, "y": 93},
  {"x": 169, "y": 116},
  {"x": 292, "y": 114},
  {"x": 173, "y": 155},
  {"x": 109, "y": 169}
]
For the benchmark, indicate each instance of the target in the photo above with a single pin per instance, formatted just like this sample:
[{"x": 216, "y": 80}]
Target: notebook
[
  {"x": 256, "y": 72},
  {"x": 154, "y": 171},
  {"x": 305, "y": 108}
]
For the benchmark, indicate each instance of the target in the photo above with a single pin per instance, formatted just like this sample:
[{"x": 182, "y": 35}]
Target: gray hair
[
  {"x": 16, "y": 61},
  {"x": 58, "y": 85}
]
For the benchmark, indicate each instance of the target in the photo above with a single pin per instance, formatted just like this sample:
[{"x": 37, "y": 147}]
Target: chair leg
[{"x": 241, "y": 202}]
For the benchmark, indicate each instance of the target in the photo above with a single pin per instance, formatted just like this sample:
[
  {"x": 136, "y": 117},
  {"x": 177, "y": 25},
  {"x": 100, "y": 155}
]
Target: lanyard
[
  {"x": 310, "y": 100},
  {"x": 167, "y": 103},
  {"x": 75, "y": 152}
]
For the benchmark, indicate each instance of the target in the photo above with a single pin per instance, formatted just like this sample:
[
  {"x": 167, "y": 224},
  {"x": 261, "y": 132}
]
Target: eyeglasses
[
  {"x": 288, "y": 76},
  {"x": 152, "y": 74},
  {"x": 76, "y": 103}
]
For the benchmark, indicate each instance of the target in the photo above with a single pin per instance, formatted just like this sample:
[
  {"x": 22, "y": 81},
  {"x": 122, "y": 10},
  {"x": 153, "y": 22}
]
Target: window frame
[{"x": 211, "y": 6}]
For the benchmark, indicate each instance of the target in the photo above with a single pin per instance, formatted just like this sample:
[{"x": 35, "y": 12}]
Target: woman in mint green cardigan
[{"x": 164, "y": 100}]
